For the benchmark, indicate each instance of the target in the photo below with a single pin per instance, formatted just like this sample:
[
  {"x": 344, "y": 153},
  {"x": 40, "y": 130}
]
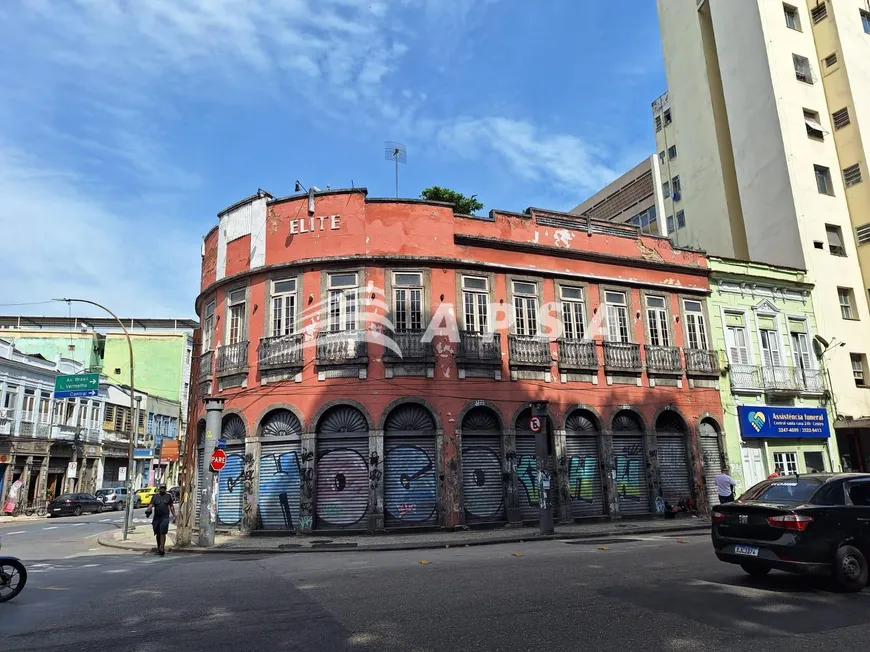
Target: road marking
[
  {"x": 52, "y": 588},
  {"x": 76, "y": 524},
  {"x": 118, "y": 570},
  {"x": 106, "y": 520},
  {"x": 19, "y": 532},
  {"x": 53, "y": 527},
  {"x": 90, "y": 565}
]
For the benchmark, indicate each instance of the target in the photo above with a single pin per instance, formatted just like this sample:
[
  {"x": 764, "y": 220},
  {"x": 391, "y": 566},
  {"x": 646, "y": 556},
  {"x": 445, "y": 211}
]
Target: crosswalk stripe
[{"x": 19, "y": 532}]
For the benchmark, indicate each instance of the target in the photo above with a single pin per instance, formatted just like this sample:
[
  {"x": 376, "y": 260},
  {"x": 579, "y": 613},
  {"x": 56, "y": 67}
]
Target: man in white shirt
[{"x": 725, "y": 487}]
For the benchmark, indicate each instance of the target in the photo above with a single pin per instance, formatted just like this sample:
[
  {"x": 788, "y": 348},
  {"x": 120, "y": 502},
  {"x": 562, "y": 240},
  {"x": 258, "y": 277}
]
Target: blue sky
[{"x": 126, "y": 125}]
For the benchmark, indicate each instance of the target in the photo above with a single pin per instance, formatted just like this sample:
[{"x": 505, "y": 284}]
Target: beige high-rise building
[{"x": 763, "y": 138}]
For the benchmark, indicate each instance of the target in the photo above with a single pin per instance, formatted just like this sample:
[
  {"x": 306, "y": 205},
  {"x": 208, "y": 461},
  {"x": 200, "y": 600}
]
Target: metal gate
[
  {"x": 280, "y": 471},
  {"x": 527, "y": 475},
  {"x": 674, "y": 468},
  {"x": 342, "y": 482},
  {"x": 200, "y": 479},
  {"x": 582, "y": 465},
  {"x": 410, "y": 481},
  {"x": 230, "y": 485},
  {"x": 711, "y": 460},
  {"x": 482, "y": 484},
  {"x": 629, "y": 467}
]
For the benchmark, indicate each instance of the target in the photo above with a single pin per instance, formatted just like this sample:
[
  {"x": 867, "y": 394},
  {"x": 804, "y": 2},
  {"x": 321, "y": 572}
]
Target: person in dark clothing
[{"x": 162, "y": 506}]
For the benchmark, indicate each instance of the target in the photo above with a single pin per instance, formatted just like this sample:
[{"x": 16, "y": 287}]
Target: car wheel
[
  {"x": 850, "y": 569},
  {"x": 99, "y": 509},
  {"x": 77, "y": 511},
  {"x": 118, "y": 506},
  {"x": 756, "y": 570}
]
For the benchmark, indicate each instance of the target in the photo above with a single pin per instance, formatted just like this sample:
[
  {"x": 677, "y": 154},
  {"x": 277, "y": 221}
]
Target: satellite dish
[{"x": 821, "y": 340}]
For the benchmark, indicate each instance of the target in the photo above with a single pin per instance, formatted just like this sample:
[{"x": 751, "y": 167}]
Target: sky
[{"x": 127, "y": 125}]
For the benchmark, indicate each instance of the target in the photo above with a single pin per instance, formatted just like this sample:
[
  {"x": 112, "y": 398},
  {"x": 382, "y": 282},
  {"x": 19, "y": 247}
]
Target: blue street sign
[
  {"x": 77, "y": 393},
  {"x": 143, "y": 453},
  {"x": 221, "y": 443}
]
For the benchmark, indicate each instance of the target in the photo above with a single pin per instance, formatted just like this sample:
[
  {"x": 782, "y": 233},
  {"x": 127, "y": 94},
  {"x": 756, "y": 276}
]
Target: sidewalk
[
  {"x": 4, "y": 518},
  {"x": 142, "y": 538}
]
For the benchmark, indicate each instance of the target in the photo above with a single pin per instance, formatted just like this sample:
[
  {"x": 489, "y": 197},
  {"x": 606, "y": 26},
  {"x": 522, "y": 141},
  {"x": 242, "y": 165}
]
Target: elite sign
[{"x": 77, "y": 386}]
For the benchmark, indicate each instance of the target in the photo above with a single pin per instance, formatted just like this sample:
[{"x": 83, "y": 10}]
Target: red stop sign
[{"x": 218, "y": 460}]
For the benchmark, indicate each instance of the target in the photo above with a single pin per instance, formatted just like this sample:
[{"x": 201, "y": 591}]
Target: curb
[{"x": 395, "y": 547}]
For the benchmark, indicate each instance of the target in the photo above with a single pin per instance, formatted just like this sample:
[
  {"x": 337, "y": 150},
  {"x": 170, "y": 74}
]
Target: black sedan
[
  {"x": 801, "y": 524},
  {"x": 75, "y": 504}
]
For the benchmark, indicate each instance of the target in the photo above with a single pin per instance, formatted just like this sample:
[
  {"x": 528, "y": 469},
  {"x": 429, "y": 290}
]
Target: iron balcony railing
[
  {"x": 622, "y": 355},
  {"x": 408, "y": 345},
  {"x": 232, "y": 357},
  {"x": 813, "y": 380},
  {"x": 529, "y": 350},
  {"x": 779, "y": 378},
  {"x": 340, "y": 346},
  {"x": 205, "y": 364},
  {"x": 578, "y": 354},
  {"x": 701, "y": 361},
  {"x": 663, "y": 358},
  {"x": 281, "y": 351},
  {"x": 483, "y": 347}
]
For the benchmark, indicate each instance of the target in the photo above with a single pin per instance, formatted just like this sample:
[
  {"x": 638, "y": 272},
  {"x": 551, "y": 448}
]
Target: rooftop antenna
[{"x": 396, "y": 152}]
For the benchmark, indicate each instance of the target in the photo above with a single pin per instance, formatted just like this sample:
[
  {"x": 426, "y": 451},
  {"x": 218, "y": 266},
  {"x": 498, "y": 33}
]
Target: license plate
[
  {"x": 57, "y": 509},
  {"x": 749, "y": 551}
]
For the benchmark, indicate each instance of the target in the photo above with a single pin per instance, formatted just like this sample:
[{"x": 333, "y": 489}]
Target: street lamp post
[{"x": 129, "y": 511}]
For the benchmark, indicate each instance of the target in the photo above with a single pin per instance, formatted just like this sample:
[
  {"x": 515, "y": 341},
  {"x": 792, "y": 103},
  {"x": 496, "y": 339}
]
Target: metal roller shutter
[
  {"x": 482, "y": 484},
  {"x": 674, "y": 468},
  {"x": 231, "y": 488},
  {"x": 409, "y": 481},
  {"x": 629, "y": 466},
  {"x": 584, "y": 475},
  {"x": 711, "y": 455},
  {"x": 342, "y": 482},
  {"x": 200, "y": 479},
  {"x": 278, "y": 503},
  {"x": 527, "y": 474}
]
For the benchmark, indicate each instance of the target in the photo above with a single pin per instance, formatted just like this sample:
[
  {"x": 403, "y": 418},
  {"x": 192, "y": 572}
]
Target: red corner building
[{"x": 378, "y": 359}]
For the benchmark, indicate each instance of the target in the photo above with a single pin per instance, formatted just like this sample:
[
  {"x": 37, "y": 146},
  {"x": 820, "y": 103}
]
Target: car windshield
[
  {"x": 787, "y": 490},
  {"x": 104, "y": 492}
]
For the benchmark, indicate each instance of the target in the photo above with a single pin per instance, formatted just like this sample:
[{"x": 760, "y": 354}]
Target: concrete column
[
  {"x": 376, "y": 485},
  {"x": 42, "y": 484},
  {"x": 608, "y": 473},
  {"x": 511, "y": 481},
  {"x": 251, "y": 484},
  {"x": 562, "y": 480},
  {"x": 24, "y": 496},
  {"x": 214, "y": 412},
  {"x": 308, "y": 484},
  {"x": 451, "y": 512},
  {"x": 653, "y": 472}
]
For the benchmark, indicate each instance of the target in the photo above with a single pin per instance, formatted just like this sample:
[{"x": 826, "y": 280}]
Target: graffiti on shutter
[
  {"x": 629, "y": 464},
  {"x": 200, "y": 479},
  {"x": 342, "y": 482},
  {"x": 527, "y": 475},
  {"x": 231, "y": 488},
  {"x": 482, "y": 481},
  {"x": 582, "y": 465},
  {"x": 711, "y": 454},
  {"x": 280, "y": 472},
  {"x": 409, "y": 481}
]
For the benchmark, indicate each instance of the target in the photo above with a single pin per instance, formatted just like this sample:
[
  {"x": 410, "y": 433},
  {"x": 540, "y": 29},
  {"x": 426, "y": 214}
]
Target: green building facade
[{"x": 775, "y": 395}]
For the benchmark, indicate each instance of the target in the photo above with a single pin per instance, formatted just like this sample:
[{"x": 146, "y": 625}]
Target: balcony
[
  {"x": 813, "y": 380},
  {"x": 479, "y": 348},
  {"x": 577, "y": 354},
  {"x": 341, "y": 347},
  {"x": 700, "y": 362},
  {"x": 281, "y": 352},
  {"x": 529, "y": 350},
  {"x": 206, "y": 361},
  {"x": 663, "y": 359},
  {"x": 783, "y": 380},
  {"x": 622, "y": 356},
  {"x": 232, "y": 359},
  {"x": 408, "y": 345}
]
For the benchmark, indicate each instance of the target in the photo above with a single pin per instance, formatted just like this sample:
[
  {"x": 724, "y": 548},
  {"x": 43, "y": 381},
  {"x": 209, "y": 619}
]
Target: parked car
[
  {"x": 112, "y": 497},
  {"x": 816, "y": 523},
  {"x": 75, "y": 504},
  {"x": 144, "y": 496}
]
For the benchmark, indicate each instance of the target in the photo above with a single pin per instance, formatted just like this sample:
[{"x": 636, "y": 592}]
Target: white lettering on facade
[{"x": 310, "y": 224}]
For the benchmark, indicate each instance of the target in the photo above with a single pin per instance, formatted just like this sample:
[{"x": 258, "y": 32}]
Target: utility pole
[
  {"x": 214, "y": 409},
  {"x": 540, "y": 426},
  {"x": 129, "y": 512}
]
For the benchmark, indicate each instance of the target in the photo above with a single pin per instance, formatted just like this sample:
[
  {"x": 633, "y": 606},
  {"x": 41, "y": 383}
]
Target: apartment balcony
[
  {"x": 409, "y": 346},
  {"x": 232, "y": 359},
  {"x": 782, "y": 380},
  {"x": 578, "y": 354},
  {"x": 281, "y": 352},
  {"x": 622, "y": 356},
  {"x": 479, "y": 348},
  {"x": 701, "y": 362},
  {"x": 812, "y": 380},
  {"x": 206, "y": 361},
  {"x": 663, "y": 360},
  {"x": 341, "y": 347},
  {"x": 529, "y": 350}
]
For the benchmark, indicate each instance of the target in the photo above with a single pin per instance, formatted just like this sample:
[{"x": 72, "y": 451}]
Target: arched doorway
[
  {"x": 629, "y": 464},
  {"x": 410, "y": 467},
  {"x": 280, "y": 471},
  {"x": 200, "y": 480},
  {"x": 582, "y": 464},
  {"x": 342, "y": 468},
  {"x": 527, "y": 464},
  {"x": 482, "y": 483},
  {"x": 672, "y": 456},
  {"x": 711, "y": 458},
  {"x": 230, "y": 485}
]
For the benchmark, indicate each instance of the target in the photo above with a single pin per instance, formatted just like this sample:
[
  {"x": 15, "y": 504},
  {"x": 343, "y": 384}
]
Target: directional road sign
[
  {"x": 77, "y": 386},
  {"x": 218, "y": 460}
]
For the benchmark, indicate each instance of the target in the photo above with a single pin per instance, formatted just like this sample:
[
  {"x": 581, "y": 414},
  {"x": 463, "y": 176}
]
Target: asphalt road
[{"x": 654, "y": 593}]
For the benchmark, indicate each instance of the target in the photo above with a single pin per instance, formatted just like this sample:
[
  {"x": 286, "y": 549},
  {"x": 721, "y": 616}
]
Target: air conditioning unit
[{"x": 676, "y": 195}]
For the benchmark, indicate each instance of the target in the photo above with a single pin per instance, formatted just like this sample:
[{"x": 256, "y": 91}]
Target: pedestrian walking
[
  {"x": 725, "y": 487},
  {"x": 162, "y": 505}
]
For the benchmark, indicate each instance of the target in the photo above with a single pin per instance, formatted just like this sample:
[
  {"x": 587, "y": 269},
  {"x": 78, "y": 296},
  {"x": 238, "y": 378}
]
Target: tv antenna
[{"x": 398, "y": 153}]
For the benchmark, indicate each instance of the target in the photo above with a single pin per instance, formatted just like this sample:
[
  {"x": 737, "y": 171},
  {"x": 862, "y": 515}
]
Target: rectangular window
[
  {"x": 408, "y": 301},
  {"x": 676, "y": 186},
  {"x": 696, "y": 325},
  {"x": 770, "y": 348},
  {"x": 672, "y": 152},
  {"x": 835, "y": 240},
  {"x": 859, "y": 365},
  {"x": 658, "y": 123},
  {"x": 342, "y": 302},
  {"x": 662, "y": 157},
  {"x": 573, "y": 313},
  {"x": 819, "y": 12},
  {"x": 852, "y": 175},
  {"x": 666, "y": 189},
  {"x": 800, "y": 347},
  {"x": 802, "y": 69},
  {"x": 109, "y": 416},
  {"x": 862, "y": 234},
  {"x": 831, "y": 60},
  {"x": 475, "y": 302},
  {"x": 617, "y": 317},
  {"x": 865, "y": 20},
  {"x": 44, "y": 407},
  {"x": 646, "y": 221},
  {"x": 847, "y": 303},
  {"x": 823, "y": 180},
  {"x": 95, "y": 416},
  {"x": 841, "y": 118},
  {"x": 208, "y": 327},
  {"x": 284, "y": 304},
  {"x": 11, "y": 400},
  {"x": 681, "y": 219},
  {"x": 525, "y": 308},
  {"x": 670, "y": 224},
  {"x": 28, "y": 405},
  {"x": 792, "y": 17},
  {"x": 237, "y": 323},
  {"x": 667, "y": 116},
  {"x": 657, "y": 321},
  {"x": 814, "y": 128},
  {"x": 786, "y": 462},
  {"x": 814, "y": 462}
]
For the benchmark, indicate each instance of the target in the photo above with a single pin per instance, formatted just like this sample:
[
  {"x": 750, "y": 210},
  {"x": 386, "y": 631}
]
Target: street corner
[{"x": 135, "y": 542}]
